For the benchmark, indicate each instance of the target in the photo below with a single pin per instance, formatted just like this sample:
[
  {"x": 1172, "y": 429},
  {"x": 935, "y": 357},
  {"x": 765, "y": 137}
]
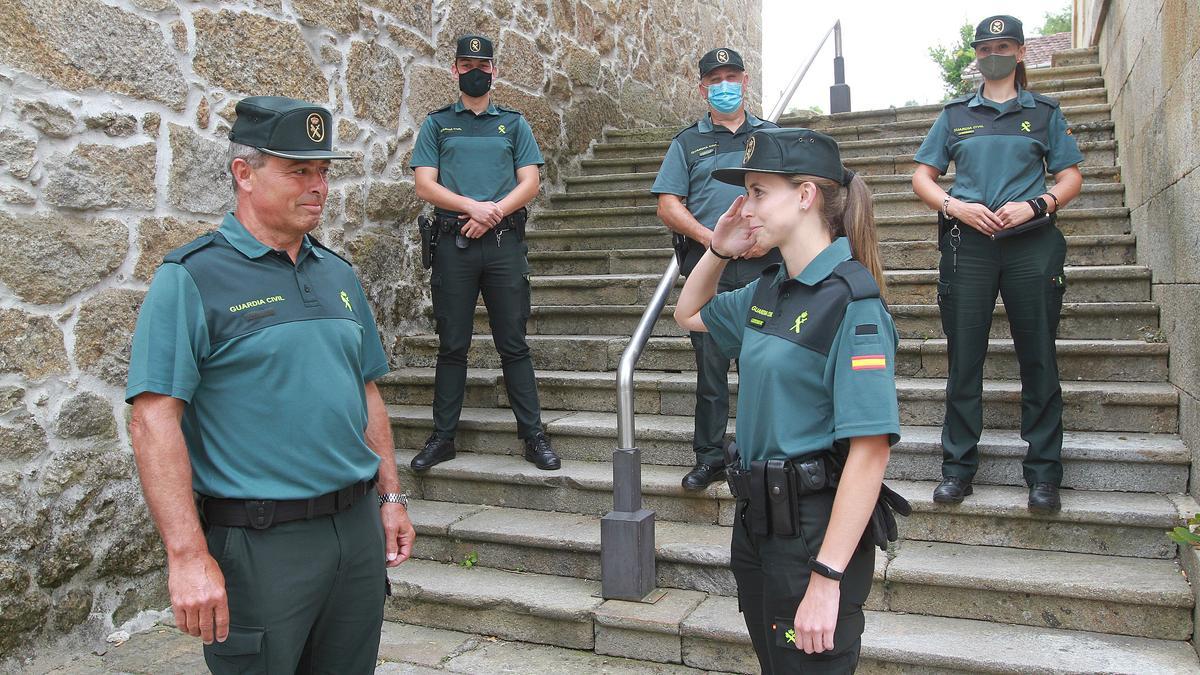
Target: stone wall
[
  {"x": 113, "y": 115},
  {"x": 1150, "y": 54}
]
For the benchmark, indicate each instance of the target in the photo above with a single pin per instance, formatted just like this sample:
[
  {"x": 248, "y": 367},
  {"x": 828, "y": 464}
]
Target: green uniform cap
[
  {"x": 790, "y": 152},
  {"x": 285, "y": 127},
  {"x": 722, "y": 56},
  {"x": 474, "y": 47},
  {"x": 999, "y": 27}
]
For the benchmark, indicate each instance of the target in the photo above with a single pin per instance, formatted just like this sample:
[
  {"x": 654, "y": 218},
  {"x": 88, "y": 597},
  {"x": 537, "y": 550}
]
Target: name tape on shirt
[{"x": 868, "y": 362}]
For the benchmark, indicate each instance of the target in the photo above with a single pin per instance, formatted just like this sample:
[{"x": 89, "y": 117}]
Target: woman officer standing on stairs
[
  {"x": 998, "y": 234},
  {"x": 817, "y": 412}
]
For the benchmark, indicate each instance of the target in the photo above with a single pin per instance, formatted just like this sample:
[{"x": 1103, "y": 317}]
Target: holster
[{"x": 429, "y": 235}]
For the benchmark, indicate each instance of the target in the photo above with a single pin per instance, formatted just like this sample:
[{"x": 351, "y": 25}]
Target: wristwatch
[
  {"x": 1039, "y": 206},
  {"x": 394, "y": 498},
  {"x": 824, "y": 570}
]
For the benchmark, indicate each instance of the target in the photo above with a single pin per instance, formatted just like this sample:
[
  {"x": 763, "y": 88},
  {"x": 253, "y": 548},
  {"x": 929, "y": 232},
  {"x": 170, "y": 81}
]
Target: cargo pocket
[
  {"x": 945, "y": 306},
  {"x": 242, "y": 652},
  {"x": 1057, "y": 289},
  {"x": 527, "y": 292}
]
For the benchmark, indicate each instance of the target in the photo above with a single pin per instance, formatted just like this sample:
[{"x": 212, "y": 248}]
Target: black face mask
[{"x": 475, "y": 82}]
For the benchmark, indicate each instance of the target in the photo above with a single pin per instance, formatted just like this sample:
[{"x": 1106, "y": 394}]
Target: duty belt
[
  {"x": 263, "y": 513},
  {"x": 449, "y": 222}
]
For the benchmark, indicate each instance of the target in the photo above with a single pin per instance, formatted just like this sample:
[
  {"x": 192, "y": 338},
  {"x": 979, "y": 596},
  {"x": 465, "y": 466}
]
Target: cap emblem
[
  {"x": 477, "y": 47},
  {"x": 722, "y": 56},
  {"x": 997, "y": 27},
  {"x": 749, "y": 150},
  {"x": 315, "y": 128}
]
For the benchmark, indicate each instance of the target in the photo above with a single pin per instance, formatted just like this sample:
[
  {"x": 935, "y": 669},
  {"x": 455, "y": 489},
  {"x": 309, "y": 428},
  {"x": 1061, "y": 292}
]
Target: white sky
[{"x": 885, "y": 44}]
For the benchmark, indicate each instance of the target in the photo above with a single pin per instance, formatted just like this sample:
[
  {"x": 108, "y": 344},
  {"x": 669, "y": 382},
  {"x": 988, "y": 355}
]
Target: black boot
[
  {"x": 701, "y": 476},
  {"x": 540, "y": 453},
  {"x": 1043, "y": 498},
  {"x": 436, "y": 451},
  {"x": 951, "y": 491}
]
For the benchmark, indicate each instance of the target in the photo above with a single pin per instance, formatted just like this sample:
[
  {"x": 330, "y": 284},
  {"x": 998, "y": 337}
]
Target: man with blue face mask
[{"x": 689, "y": 204}]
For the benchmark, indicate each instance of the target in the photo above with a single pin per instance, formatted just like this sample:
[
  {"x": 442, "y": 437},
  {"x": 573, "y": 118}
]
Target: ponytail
[
  {"x": 1022, "y": 78},
  {"x": 848, "y": 212}
]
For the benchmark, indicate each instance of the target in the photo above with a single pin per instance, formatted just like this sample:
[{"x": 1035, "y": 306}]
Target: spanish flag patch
[{"x": 868, "y": 362}]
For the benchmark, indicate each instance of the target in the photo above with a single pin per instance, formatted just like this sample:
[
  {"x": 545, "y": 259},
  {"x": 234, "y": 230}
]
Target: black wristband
[
  {"x": 824, "y": 570},
  {"x": 1038, "y": 209},
  {"x": 714, "y": 252}
]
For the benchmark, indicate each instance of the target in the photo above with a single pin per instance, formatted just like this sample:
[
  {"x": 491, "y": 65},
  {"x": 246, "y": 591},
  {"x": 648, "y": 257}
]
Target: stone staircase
[{"x": 983, "y": 587}]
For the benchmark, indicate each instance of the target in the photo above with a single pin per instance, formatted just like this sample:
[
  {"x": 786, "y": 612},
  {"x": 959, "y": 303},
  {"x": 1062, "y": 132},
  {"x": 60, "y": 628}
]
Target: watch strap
[
  {"x": 824, "y": 570},
  {"x": 400, "y": 498}
]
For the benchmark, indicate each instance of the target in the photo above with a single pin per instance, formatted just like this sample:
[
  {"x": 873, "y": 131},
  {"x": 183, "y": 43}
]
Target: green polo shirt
[
  {"x": 1001, "y": 151},
  {"x": 694, "y": 153},
  {"x": 477, "y": 156},
  {"x": 269, "y": 357},
  {"x": 817, "y": 357}
]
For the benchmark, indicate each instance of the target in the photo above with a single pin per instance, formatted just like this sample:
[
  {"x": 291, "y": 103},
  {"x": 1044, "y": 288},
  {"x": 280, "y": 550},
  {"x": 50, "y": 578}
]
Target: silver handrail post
[
  {"x": 839, "y": 93},
  {"x": 627, "y": 532}
]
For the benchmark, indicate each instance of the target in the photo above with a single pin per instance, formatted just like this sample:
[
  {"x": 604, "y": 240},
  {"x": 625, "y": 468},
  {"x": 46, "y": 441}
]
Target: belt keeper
[
  {"x": 261, "y": 513},
  {"x": 310, "y": 509}
]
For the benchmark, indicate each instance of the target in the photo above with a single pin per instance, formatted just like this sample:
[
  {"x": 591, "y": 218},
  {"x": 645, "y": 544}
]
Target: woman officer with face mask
[{"x": 998, "y": 234}]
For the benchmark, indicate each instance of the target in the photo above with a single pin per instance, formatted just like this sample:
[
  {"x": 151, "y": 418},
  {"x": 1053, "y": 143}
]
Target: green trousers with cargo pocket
[
  {"x": 305, "y": 596},
  {"x": 1027, "y": 271},
  {"x": 497, "y": 268}
]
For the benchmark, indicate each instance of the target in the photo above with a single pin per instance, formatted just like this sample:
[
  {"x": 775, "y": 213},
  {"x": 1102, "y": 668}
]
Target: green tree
[
  {"x": 953, "y": 59},
  {"x": 1057, "y": 23}
]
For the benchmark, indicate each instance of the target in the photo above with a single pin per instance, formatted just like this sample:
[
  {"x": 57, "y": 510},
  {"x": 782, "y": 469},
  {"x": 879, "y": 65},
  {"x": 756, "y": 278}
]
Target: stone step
[
  {"x": 592, "y": 223},
  {"x": 1148, "y": 407},
  {"x": 1109, "y": 594},
  {"x": 1075, "y": 57},
  {"x": 909, "y": 126},
  {"x": 862, "y": 143},
  {"x": 1108, "y": 523},
  {"x": 1116, "y": 283},
  {"x": 1080, "y": 321},
  {"x": 1128, "y": 462},
  {"x": 887, "y": 183},
  {"x": 1104, "y": 360},
  {"x": 901, "y": 202},
  {"x": 1082, "y": 250}
]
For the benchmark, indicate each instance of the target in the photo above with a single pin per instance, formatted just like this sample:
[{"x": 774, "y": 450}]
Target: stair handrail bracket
[{"x": 627, "y": 569}]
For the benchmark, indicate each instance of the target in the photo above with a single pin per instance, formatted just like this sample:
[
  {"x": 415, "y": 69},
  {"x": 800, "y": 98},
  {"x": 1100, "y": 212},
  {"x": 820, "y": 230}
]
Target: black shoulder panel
[
  {"x": 184, "y": 251},
  {"x": 509, "y": 110},
  {"x": 858, "y": 278},
  {"x": 959, "y": 99},
  {"x": 442, "y": 109},
  {"x": 684, "y": 130}
]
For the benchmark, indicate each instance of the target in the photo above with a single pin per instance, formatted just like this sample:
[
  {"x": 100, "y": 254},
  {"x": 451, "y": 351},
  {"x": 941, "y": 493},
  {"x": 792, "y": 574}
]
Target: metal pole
[
  {"x": 839, "y": 93},
  {"x": 790, "y": 90}
]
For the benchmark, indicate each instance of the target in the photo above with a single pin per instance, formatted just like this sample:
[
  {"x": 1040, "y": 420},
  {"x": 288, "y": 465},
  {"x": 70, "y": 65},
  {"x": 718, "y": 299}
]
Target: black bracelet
[
  {"x": 1055, "y": 198},
  {"x": 824, "y": 570},
  {"x": 1038, "y": 211},
  {"x": 714, "y": 252}
]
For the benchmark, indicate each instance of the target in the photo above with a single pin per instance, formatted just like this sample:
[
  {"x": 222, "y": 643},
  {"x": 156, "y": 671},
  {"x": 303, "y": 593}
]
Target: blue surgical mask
[{"x": 725, "y": 96}]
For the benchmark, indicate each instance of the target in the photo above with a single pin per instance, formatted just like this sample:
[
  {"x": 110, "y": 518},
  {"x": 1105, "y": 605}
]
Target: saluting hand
[
  {"x": 198, "y": 599},
  {"x": 1015, "y": 213},
  {"x": 487, "y": 213},
  {"x": 732, "y": 235},
  {"x": 977, "y": 216}
]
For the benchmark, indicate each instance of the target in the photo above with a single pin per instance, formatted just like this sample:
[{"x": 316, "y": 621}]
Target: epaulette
[
  {"x": 858, "y": 278},
  {"x": 441, "y": 109},
  {"x": 510, "y": 110},
  {"x": 189, "y": 248},
  {"x": 323, "y": 247},
  {"x": 1052, "y": 102},
  {"x": 959, "y": 99},
  {"x": 691, "y": 126}
]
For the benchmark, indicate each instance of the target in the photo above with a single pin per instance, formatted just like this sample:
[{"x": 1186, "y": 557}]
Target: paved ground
[{"x": 403, "y": 650}]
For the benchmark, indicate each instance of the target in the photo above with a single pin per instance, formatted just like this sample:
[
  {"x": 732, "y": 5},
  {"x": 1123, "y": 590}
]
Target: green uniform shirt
[
  {"x": 1001, "y": 151},
  {"x": 477, "y": 156},
  {"x": 270, "y": 358},
  {"x": 694, "y": 153},
  {"x": 817, "y": 357}
]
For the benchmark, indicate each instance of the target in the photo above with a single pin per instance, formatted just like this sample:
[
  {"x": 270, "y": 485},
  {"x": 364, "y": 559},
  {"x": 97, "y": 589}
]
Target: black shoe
[
  {"x": 1043, "y": 498},
  {"x": 540, "y": 453},
  {"x": 436, "y": 451},
  {"x": 952, "y": 490},
  {"x": 701, "y": 476}
]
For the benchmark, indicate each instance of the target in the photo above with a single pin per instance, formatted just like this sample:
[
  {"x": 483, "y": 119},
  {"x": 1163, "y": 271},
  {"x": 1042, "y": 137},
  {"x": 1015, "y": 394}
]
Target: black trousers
[
  {"x": 1027, "y": 271},
  {"x": 772, "y": 576},
  {"x": 498, "y": 268}
]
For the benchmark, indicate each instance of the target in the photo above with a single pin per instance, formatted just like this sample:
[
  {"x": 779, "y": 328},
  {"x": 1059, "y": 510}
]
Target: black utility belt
[
  {"x": 947, "y": 224},
  {"x": 263, "y": 513},
  {"x": 773, "y": 489},
  {"x": 452, "y": 222}
]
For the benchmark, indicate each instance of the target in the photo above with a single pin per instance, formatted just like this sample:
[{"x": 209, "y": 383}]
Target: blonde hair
[{"x": 847, "y": 212}]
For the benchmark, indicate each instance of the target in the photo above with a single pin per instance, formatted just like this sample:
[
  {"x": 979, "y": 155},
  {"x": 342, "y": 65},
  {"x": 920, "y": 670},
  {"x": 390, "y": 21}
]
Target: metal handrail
[{"x": 627, "y": 532}]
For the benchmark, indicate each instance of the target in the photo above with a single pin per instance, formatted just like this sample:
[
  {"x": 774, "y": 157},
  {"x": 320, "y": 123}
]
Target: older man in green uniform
[
  {"x": 689, "y": 203},
  {"x": 262, "y": 442},
  {"x": 477, "y": 163}
]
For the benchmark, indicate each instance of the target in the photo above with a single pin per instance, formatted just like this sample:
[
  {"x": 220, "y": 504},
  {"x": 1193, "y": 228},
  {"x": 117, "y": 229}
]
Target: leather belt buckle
[{"x": 260, "y": 513}]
